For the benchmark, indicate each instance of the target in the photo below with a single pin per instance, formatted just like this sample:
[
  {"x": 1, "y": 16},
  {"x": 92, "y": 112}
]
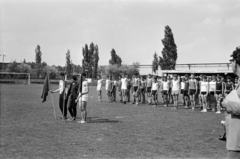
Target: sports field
[{"x": 28, "y": 129}]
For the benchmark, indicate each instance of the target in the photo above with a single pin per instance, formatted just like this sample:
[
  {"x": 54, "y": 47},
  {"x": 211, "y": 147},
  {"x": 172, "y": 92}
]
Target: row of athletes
[{"x": 205, "y": 91}]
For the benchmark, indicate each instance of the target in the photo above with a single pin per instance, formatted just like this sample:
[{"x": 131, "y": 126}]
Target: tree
[
  {"x": 12, "y": 67},
  {"x": 52, "y": 71},
  {"x": 115, "y": 70},
  {"x": 24, "y": 61},
  {"x": 38, "y": 57},
  {"x": 169, "y": 52},
  {"x": 68, "y": 63},
  {"x": 43, "y": 64},
  {"x": 115, "y": 59},
  {"x": 90, "y": 57},
  {"x": 95, "y": 62},
  {"x": 23, "y": 68},
  {"x": 85, "y": 57},
  {"x": 155, "y": 63}
]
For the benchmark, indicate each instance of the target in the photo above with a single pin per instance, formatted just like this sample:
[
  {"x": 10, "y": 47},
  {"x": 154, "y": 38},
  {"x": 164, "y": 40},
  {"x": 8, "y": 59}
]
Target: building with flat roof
[{"x": 222, "y": 69}]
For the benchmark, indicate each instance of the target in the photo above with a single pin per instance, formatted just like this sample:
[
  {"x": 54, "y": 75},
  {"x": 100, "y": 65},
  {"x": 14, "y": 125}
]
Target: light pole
[{"x": 3, "y": 61}]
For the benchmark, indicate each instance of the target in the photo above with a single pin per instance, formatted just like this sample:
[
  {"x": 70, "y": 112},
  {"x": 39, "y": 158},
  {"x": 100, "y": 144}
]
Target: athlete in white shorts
[
  {"x": 175, "y": 90},
  {"x": 204, "y": 90},
  {"x": 83, "y": 98},
  {"x": 124, "y": 82}
]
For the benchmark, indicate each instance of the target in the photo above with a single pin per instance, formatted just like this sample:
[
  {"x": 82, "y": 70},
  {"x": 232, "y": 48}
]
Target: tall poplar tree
[
  {"x": 95, "y": 62},
  {"x": 169, "y": 52},
  {"x": 68, "y": 63},
  {"x": 155, "y": 63},
  {"x": 38, "y": 57},
  {"x": 115, "y": 59}
]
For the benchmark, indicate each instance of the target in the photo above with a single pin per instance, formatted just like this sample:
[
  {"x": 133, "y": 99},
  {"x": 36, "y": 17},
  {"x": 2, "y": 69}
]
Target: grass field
[{"x": 28, "y": 129}]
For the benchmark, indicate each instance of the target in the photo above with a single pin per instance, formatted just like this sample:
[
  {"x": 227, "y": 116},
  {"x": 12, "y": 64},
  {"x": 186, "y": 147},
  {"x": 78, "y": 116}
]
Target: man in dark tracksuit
[{"x": 72, "y": 96}]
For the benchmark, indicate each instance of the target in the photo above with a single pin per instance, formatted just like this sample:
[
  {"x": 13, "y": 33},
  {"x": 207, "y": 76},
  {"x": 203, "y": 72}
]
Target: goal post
[{"x": 13, "y": 77}]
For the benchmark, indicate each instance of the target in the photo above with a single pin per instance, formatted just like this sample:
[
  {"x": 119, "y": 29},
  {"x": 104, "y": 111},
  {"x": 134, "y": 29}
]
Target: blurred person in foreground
[{"x": 232, "y": 105}]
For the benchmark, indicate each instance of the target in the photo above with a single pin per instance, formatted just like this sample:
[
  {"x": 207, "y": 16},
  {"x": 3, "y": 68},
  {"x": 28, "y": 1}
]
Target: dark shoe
[{"x": 222, "y": 138}]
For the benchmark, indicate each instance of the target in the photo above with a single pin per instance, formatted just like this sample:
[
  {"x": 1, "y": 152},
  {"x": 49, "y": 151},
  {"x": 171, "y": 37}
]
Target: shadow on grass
[{"x": 102, "y": 120}]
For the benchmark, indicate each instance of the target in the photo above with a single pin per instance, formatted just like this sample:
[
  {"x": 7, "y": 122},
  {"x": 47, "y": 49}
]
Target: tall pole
[{"x": 3, "y": 62}]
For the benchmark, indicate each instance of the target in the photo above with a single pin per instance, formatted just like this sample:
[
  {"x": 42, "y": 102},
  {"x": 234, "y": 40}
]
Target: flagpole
[
  {"x": 52, "y": 99},
  {"x": 53, "y": 108}
]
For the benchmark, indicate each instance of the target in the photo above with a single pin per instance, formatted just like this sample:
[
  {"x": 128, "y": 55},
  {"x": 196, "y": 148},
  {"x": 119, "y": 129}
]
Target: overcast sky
[{"x": 204, "y": 30}]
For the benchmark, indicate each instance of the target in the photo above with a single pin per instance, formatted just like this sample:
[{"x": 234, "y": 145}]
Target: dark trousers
[
  {"x": 63, "y": 105},
  {"x": 71, "y": 105}
]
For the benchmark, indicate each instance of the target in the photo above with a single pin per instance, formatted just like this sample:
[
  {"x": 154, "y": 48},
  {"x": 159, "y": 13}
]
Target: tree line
[{"x": 39, "y": 68}]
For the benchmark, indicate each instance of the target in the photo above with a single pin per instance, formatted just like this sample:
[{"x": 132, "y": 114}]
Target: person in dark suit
[{"x": 72, "y": 95}]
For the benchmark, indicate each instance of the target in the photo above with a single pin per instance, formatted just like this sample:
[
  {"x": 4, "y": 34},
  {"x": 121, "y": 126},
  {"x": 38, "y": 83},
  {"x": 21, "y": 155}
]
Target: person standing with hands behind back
[
  {"x": 232, "y": 105},
  {"x": 72, "y": 96}
]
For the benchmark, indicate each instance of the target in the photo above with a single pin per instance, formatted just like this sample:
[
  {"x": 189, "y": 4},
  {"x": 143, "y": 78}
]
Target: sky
[{"x": 205, "y": 31}]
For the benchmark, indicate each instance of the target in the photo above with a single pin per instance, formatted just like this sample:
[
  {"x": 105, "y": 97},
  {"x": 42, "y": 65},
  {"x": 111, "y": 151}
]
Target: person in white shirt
[
  {"x": 154, "y": 90},
  {"x": 83, "y": 98},
  {"x": 175, "y": 90},
  {"x": 212, "y": 92},
  {"x": 124, "y": 82},
  {"x": 106, "y": 85},
  {"x": 99, "y": 88},
  {"x": 204, "y": 90},
  {"x": 166, "y": 90},
  {"x": 182, "y": 90},
  {"x": 62, "y": 96}
]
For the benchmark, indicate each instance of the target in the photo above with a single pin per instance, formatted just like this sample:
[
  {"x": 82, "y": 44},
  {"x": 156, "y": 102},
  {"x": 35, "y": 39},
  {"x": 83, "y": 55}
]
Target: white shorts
[{"x": 84, "y": 98}]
